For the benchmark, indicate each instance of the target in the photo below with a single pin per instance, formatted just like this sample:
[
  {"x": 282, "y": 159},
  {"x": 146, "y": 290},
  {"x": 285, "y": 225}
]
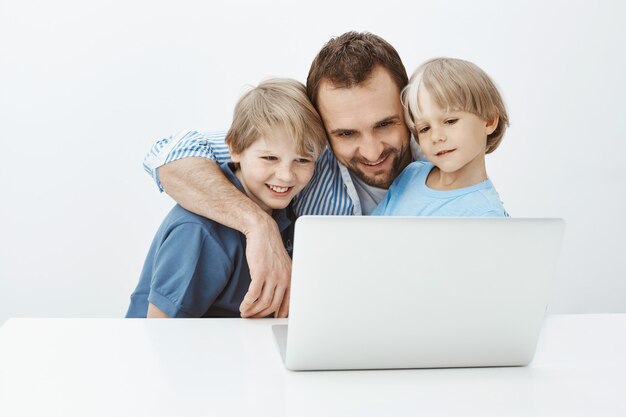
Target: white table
[{"x": 215, "y": 367}]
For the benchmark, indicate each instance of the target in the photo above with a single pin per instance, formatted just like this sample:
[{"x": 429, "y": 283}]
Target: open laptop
[{"x": 417, "y": 292}]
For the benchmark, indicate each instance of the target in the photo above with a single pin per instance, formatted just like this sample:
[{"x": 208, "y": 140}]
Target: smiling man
[
  {"x": 366, "y": 131},
  {"x": 354, "y": 82}
]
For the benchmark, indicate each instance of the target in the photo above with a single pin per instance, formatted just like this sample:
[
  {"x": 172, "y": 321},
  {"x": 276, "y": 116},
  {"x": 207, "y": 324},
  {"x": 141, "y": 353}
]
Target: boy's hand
[{"x": 270, "y": 271}]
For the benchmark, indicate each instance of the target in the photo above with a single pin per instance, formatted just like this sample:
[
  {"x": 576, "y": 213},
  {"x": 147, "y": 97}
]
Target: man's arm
[{"x": 199, "y": 185}]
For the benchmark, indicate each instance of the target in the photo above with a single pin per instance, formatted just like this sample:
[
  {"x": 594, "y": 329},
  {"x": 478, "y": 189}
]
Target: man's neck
[{"x": 369, "y": 196}]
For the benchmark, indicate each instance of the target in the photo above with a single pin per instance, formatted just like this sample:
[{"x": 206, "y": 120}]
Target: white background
[{"x": 87, "y": 86}]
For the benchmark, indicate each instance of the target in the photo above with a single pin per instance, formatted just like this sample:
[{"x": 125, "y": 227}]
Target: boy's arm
[
  {"x": 199, "y": 185},
  {"x": 155, "y": 312}
]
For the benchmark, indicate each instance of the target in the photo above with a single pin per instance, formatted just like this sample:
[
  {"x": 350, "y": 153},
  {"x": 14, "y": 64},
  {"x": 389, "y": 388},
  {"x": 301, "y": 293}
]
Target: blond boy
[
  {"x": 457, "y": 116},
  {"x": 196, "y": 267}
]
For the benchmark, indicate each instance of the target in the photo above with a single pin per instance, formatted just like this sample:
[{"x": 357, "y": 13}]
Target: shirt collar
[{"x": 347, "y": 178}]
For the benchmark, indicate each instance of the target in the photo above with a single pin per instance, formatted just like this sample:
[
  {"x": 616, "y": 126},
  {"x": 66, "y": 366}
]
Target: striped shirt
[{"x": 330, "y": 192}]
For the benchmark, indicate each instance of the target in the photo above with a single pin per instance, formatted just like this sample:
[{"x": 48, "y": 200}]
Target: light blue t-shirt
[{"x": 410, "y": 196}]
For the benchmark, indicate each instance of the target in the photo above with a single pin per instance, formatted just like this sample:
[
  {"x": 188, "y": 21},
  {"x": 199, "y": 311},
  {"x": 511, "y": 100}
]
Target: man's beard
[{"x": 401, "y": 160}]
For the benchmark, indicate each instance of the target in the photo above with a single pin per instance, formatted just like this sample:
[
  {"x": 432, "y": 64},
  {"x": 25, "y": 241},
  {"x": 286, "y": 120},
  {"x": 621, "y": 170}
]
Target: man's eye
[
  {"x": 269, "y": 158},
  {"x": 345, "y": 134},
  {"x": 384, "y": 124}
]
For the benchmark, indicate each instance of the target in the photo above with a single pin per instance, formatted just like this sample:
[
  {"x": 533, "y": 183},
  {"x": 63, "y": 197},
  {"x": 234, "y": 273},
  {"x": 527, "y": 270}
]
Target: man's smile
[{"x": 375, "y": 164}]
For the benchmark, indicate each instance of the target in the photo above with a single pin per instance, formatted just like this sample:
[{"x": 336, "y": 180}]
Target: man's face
[{"x": 365, "y": 126}]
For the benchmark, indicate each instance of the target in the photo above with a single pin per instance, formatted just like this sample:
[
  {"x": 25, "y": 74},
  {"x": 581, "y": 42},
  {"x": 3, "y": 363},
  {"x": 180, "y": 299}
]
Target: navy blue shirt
[{"x": 196, "y": 267}]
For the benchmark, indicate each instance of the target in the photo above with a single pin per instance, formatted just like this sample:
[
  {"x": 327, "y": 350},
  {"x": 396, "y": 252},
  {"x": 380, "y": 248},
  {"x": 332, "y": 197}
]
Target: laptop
[{"x": 417, "y": 292}]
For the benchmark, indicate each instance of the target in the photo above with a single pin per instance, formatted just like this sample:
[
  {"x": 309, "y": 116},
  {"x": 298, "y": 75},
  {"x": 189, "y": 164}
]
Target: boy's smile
[
  {"x": 271, "y": 171},
  {"x": 279, "y": 190},
  {"x": 444, "y": 152}
]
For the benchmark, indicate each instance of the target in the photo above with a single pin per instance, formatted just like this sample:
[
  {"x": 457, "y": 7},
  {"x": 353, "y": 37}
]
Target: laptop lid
[{"x": 418, "y": 292}]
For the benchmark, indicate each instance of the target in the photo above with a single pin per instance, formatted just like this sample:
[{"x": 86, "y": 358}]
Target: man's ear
[{"x": 491, "y": 125}]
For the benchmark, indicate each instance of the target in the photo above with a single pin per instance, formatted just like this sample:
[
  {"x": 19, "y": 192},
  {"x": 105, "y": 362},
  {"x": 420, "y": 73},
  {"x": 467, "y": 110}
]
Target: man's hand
[
  {"x": 199, "y": 185},
  {"x": 270, "y": 271}
]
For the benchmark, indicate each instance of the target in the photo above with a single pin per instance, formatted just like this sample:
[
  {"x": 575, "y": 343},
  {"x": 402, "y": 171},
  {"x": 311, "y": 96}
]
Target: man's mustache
[{"x": 383, "y": 155}]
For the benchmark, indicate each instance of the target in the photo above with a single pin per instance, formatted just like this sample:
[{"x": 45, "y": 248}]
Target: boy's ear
[
  {"x": 234, "y": 156},
  {"x": 491, "y": 125}
]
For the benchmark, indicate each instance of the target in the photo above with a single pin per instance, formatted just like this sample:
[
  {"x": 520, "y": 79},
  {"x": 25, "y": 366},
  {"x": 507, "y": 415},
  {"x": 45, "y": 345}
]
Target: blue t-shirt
[
  {"x": 410, "y": 196},
  {"x": 196, "y": 267}
]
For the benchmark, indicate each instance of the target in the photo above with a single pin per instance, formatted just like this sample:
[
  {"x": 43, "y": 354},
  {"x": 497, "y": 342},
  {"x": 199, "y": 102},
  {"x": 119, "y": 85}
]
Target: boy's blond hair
[
  {"x": 456, "y": 85},
  {"x": 277, "y": 102}
]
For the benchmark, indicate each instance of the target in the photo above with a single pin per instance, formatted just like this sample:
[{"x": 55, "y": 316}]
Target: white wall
[{"x": 85, "y": 87}]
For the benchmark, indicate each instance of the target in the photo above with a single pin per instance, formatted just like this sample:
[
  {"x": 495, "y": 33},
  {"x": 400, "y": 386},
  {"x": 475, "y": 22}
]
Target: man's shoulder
[
  {"x": 326, "y": 193},
  {"x": 327, "y": 157}
]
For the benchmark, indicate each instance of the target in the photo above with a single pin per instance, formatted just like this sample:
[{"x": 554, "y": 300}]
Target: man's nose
[{"x": 371, "y": 148}]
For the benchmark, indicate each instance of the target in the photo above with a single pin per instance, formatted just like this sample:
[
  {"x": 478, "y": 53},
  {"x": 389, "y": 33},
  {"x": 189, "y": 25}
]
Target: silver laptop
[{"x": 417, "y": 292}]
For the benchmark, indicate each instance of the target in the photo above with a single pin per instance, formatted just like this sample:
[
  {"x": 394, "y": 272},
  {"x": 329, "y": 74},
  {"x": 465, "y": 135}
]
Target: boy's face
[
  {"x": 451, "y": 140},
  {"x": 271, "y": 171},
  {"x": 365, "y": 126}
]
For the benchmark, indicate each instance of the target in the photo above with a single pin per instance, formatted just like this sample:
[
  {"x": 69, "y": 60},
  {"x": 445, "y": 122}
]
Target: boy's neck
[{"x": 471, "y": 174}]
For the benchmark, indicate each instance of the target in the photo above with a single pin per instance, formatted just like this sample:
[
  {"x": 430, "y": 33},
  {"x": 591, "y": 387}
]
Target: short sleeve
[
  {"x": 185, "y": 144},
  {"x": 191, "y": 269}
]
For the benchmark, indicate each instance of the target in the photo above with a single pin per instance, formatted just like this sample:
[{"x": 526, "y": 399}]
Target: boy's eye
[
  {"x": 423, "y": 130},
  {"x": 451, "y": 121},
  {"x": 269, "y": 158},
  {"x": 303, "y": 161}
]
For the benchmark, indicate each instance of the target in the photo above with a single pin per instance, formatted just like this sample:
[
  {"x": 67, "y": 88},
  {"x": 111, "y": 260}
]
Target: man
[{"x": 354, "y": 82}]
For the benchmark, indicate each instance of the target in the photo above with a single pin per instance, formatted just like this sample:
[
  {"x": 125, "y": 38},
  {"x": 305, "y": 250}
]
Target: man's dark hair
[{"x": 349, "y": 59}]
